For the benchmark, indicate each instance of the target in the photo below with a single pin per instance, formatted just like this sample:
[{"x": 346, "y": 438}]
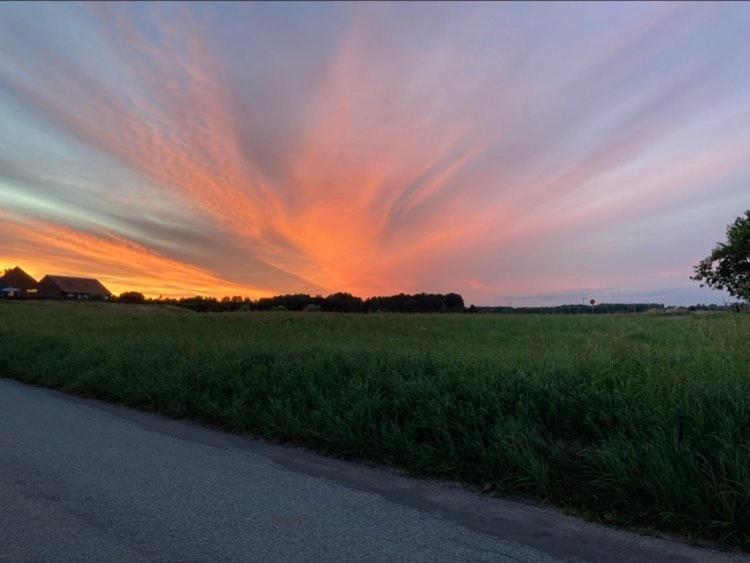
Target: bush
[{"x": 131, "y": 297}]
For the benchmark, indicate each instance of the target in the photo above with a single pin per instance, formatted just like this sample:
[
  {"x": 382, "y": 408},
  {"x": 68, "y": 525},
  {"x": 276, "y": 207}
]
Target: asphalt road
[{"x": 81, "y": 480}]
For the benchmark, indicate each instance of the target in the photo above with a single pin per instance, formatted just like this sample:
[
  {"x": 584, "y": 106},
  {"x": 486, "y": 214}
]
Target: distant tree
[
  {"x": 411, "y": 305},
  {"x": 342, "y": 303},
  {"x": 131, "y": 297},
  {"x": 454, "y": 302},
  {"x": 336, "y": 302},
  {"x": 601, "y": 308},
  {"x": 728, "y": 265}
]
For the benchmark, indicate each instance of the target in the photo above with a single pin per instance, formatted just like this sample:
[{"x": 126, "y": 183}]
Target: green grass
[{"x": 637, "y": 420}]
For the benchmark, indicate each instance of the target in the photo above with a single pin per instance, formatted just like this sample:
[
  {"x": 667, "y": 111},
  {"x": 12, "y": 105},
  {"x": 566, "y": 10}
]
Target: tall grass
[{"x": 638, "y": 420}]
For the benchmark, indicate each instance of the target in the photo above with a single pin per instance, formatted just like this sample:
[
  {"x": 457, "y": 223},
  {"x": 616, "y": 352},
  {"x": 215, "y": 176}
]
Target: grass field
[{"x": 638, "y": 420}]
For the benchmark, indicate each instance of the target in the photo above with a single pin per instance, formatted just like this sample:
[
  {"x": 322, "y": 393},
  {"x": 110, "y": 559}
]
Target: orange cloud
[
  {"x": 375, "y": 149},
  {"x": 121, "y": 265}
]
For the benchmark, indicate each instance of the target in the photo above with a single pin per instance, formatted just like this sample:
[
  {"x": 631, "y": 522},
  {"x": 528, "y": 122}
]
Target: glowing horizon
[{"x": 513, "y": 153}]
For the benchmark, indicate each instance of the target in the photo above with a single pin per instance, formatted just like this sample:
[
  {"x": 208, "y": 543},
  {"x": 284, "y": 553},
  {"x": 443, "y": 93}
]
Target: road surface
[{"x": 82, "y": 480}]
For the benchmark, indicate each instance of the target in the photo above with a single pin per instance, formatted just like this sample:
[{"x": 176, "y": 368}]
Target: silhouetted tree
[
  {"x": 296, "y": 302},
  {"x": 131, "y": 297},
  {"x": 343, "y": 303},
  {"x": 579, "y": 309},
  {"x": 454, "y": 302},
  {"x": 336, "y": 302},
  {"x": 728, "y": 265},
  {"x": 419, "y": 303}
]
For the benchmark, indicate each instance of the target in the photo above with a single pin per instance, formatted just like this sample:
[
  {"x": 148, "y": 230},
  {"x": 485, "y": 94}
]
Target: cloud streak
[{"x": 259, "y": 149}]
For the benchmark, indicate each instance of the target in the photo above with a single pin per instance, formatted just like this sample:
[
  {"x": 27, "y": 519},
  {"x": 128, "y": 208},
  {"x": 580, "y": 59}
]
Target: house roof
[
  {"x": 17, "y": 278},
  {"x": 69, "y": 284}
]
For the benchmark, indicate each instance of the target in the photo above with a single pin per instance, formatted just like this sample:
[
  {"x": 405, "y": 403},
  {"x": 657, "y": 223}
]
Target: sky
[{"x": 518, "y": 154}]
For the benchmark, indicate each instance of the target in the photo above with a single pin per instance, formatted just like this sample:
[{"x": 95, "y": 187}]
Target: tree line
[
  {"x": 336, "y": 302},
  {"x": 401, "y": 303},
  {"x": 598, "y": 309}
]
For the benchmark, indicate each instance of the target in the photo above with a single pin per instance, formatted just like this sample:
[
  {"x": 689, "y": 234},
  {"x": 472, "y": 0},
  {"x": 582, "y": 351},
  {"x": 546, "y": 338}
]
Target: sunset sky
[{"x": 514, "y": 153}]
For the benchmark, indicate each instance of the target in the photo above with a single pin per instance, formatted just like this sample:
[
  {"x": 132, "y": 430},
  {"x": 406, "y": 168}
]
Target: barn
[
  {"x": 67, "y": 287},
  {"x": 15, "y": 283}
]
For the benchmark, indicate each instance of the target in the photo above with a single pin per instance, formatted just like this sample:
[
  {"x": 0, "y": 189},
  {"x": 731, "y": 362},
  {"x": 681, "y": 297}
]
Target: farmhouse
[
  {"x": 16, "y": 283},
  {"x": 65, "y": 287}
]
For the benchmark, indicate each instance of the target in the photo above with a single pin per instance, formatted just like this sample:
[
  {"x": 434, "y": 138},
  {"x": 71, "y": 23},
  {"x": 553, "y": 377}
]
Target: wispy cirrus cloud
[{"x": 256, "y": 149}]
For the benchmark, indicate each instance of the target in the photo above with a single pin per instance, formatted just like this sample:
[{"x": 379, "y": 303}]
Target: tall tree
[{"x": 728, "y": 266}]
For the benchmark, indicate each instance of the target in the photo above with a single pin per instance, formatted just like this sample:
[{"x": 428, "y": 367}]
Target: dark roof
[
  {"x": 69, "y": 284},
  {"x": 16, "y": 277}
]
